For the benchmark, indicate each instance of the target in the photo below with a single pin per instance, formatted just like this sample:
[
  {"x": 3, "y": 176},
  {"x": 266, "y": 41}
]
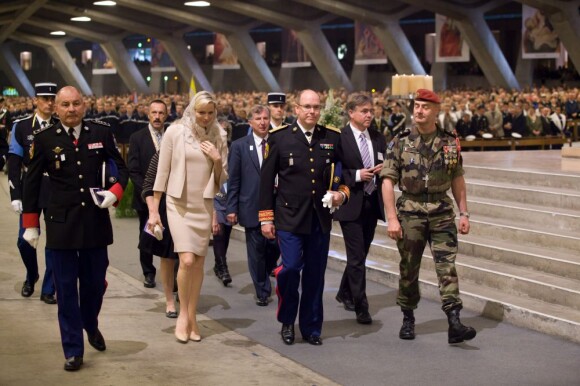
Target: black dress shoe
[
  {"x": 73, "y": 363},
  {"x": 348, "y": 304},
  {"x": 262, "y": 302},
  {"x": 149, "y": 281},
  {"x": 288, "y": 333},
  {"x": 363, "y": 317},
  {"x": 314, "y": 340},
  {"x": 48, "y": 298},
  {"x": 97, "y": 341},
  {"x": 28, "y": 288}
]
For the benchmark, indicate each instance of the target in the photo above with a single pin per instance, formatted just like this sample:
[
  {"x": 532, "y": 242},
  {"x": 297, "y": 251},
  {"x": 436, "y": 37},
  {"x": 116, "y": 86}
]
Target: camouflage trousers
[{"x": 433, "y": 223}]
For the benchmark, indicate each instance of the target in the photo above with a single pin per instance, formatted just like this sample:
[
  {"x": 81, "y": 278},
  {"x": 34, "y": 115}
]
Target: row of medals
[{"x": 450, "y": 157}]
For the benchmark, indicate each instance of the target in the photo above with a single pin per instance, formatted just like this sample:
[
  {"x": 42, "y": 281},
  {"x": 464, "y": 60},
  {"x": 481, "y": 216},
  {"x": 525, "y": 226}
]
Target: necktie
[
  {"x": 71, "y": 133},
  {"x": 263, "y": 144},
  {"x": 43, "y": 124},
  {"x": 308, "y": 135},
  {"x": 158, "y": 136},
  {"x": 366, "y": 157}
]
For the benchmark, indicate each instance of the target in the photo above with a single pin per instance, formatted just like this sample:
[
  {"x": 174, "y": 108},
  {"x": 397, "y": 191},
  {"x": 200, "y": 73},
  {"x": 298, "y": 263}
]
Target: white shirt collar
[
  {"x": 357, "y": 132},
  {"x": 303, "y": 129}
]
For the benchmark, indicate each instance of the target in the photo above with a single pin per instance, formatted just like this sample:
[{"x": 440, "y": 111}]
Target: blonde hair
[{"x": 212, "y": 131}]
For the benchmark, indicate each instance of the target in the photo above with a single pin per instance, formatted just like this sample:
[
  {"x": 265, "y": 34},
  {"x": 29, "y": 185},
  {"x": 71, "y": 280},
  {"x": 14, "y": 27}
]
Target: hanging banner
[
  {"x": 539, "y": 40},
  {"x": 449, "y": 44},
  {"x": 101, "y": 62},
  {"x": 293, "y": 52},
  {"x": 160, "y": 59},
  {"x": 224, "y": 57},
  {"x": 369, "y": 49}
]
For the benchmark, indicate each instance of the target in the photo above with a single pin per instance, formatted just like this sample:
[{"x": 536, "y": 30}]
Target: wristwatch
[{"x": 464, "y": 214}]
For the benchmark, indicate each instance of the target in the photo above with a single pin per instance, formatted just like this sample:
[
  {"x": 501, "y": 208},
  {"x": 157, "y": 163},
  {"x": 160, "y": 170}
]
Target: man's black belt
[{"x": 425, "y": 197}]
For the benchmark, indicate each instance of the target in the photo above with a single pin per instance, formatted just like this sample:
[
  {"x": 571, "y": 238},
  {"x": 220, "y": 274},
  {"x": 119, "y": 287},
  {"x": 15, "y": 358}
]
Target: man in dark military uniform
[
  {"x": 18, "y": 161},
  {"x": 397, "y": 122},
  {"x": 425, "y": 161},
  {"x": 78, "y": 226},
  {"x": 277, "y": 107},
  {"x": 5, "y": 125},
  {"x": 302, "y": 155}
]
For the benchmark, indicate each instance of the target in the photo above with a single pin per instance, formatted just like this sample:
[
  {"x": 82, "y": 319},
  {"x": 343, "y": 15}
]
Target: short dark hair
[
  {"x": 357, "y": 99},
  {"x": 158, "y": 101}
]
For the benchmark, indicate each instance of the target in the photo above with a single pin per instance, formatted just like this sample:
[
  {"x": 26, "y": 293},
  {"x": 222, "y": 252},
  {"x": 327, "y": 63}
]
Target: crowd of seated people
[{"x": 497, "y": 112}]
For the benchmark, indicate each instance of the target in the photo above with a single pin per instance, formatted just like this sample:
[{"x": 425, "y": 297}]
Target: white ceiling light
[
  {"x": 81, "y": 18},
  {"x": 197, "y": 3},
  {"x": 105, "y": 3},
  {"x": 58, "y": 33}
]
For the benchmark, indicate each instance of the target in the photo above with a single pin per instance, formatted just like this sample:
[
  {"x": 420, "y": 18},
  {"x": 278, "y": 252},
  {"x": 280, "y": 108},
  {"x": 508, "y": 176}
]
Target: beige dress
[{"x": 190, "y": 181}]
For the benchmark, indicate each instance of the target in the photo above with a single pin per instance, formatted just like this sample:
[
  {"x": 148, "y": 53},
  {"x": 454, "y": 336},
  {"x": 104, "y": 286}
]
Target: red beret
[{"x": 427, "y": 96}]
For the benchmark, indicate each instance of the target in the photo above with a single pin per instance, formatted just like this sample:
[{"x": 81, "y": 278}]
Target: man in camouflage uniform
[{"x": 425, "y": 161}]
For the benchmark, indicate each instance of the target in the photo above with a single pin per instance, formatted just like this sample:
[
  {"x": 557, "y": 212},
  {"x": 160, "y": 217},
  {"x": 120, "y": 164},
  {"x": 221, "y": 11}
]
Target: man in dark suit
[
  {"x": 78, "y": 229},
  {"x": 362, "y": 152},
  {"x": 143, "y": 144},
  {"x": 302, "y": 155},
  {"x": 244, "y": 162},
  {"x": 18, "y": 161}
]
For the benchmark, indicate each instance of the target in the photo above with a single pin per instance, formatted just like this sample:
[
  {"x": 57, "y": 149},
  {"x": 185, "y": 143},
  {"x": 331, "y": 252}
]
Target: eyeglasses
[{"x": 310, "y": 107}]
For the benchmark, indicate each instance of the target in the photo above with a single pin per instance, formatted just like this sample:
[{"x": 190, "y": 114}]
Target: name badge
[
  {"x": 96, "y": 145},
  {"x": 251, "y": 148},
  {"x": 380, "y": 157}
]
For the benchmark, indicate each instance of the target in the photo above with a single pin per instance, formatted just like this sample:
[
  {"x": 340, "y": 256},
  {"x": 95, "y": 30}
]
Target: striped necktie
[{"x": 367, "y": 162}]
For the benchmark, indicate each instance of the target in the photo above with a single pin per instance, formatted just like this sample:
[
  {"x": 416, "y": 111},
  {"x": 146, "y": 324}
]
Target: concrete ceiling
[{"x": 171, "y": 17}]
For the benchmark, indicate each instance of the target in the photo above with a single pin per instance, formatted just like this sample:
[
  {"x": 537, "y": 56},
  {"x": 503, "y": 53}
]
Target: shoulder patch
[
  {"x": 42, "y": 129},
  {"x": 279, "y": 128},
  {"x": 98, "y": 122},
  {"x": 22, "y": 119}
]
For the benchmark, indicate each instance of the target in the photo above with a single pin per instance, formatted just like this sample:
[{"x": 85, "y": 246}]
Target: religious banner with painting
[
  {"x": 102, "y": 64},
  {"x": 449, "y": 44},
  {"x": 160, "y": 59},
  {"x": 368, "y": 48},
  {"x": 539, "y": 40},
  {"x": 224, "y": 57},
  {"x": 293, "y": 52}
]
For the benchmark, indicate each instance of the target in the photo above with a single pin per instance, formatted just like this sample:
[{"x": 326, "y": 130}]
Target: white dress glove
[
  {"x": 17, "y": 206},
  {"x": 31, "y": 236},
  {"x": 108, "y": 200},
  {"x": 327, "y": 202}
]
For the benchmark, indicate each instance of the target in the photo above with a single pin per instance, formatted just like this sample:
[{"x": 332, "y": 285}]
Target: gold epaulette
[
  {"x": 266, "y": 215},
  {"x": 332, "y": 128},
  {"x": 278, "y": 128}
]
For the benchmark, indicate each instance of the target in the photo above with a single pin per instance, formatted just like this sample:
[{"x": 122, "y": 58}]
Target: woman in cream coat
[{"x": 192, "y": 167}]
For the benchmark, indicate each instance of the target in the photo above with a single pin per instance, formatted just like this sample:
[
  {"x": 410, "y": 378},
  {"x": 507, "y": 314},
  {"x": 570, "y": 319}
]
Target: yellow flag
[{"x": 192, "y": 90}]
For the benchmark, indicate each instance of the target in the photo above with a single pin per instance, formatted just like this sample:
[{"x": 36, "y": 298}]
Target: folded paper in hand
[
  {"x": 97, "y": 198},
  {"x": 157, "y": 231}
]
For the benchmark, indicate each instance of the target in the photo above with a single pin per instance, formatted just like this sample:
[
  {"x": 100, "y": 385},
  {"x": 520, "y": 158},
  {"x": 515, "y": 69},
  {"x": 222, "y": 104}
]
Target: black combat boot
[
  {"x": 457, "y": 331},
  {"x": 407, "y": 331}
]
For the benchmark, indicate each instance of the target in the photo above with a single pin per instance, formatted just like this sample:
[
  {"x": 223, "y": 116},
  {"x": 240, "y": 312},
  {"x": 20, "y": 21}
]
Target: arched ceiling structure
[{"x": 30, "y": 21}]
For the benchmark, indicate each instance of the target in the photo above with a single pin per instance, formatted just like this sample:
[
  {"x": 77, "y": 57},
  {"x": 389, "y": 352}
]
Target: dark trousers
[
  {"x": 29, "y": 258},
  {"x": 262, "y": 257},
  {"x": 306, "y": 254},
  {"x": 358, "y": 235},
  {"x": 221, "y": 243},
  {"x": 79, "y": 276},
  {"x": 145, "y": 258}
]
